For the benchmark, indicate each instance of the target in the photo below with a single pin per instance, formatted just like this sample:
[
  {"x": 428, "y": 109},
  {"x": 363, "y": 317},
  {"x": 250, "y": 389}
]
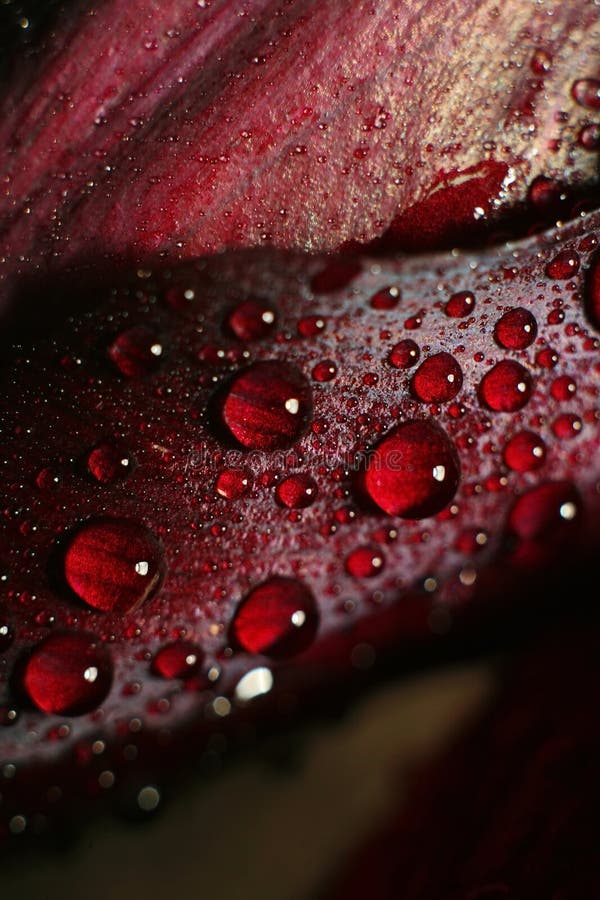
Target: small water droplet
[
  {"x": 108, "y": 463},
  {"x": 460, "y": 305},
  {"x": 297, "y": 491},
  {"x": 543, "y": 509},
  {"x": 136, "y": 352},
  {"x": 404, "y": 354},
  {"x": 178, "y": 659},
  {"x": 516, "y": 329},
  {"x": 251, "y": 320},
  {"x": 326, "y": 370},
  {"x": 586, "y": 92},
  {"x": 438, "y": 379},
  {"x": 365, "y": 562},
  {"x": 564, "y": 265},
  {"x": 525, "y": 452},
  {"x": 234, "y": 483},
  {"x": 387, "y": 298},
  {"x": 507, "y": 387}
]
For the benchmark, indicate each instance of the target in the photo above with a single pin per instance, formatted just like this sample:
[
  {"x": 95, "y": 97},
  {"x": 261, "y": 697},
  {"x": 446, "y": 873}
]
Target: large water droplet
[
  {"x": 516, "y": 329},
  {"x": 414, "y": 471},
  {"x": 278, "y": 618},
  {"x": 268, "y": 406},
  {"x": 68, "y": 674},
  {"x": 506, "y": 387},
  {"x": 438, "y": 379},
  {"x": 114, "y": 564}
]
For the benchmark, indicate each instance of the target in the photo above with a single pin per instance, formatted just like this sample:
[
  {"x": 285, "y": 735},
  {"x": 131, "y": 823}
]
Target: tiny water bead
[
  {"x": 544, "y": 508},
  {"x": 252, "y": 319},
  {"x": 108, "y": 463},
  {"x": 365, "y": 562},
  {"x": 586, "y": 92},
  {"x": 268, "y": 406},
  {"x": 68, "y": 674},
  {"x": 404, "y": 354},
  {"x": 179, "y": 659},
  {"x": 516, "y": 329},
  {"x": 387, "y": 298},
  {"x": 234, "y": 483},
  {"x": 413, "y": 471},
  {"x": 297, "y": 491},
  {"x": 507, "y": 387},
  {"x": 136, "y": 352},
  {"x": 564, "y": 265},
  {"x": 525, "y": 452},
  {"x": 114, "y": 565},
  {"x": 438, "y": 379},
  {"x": 278, "y": 618},
  {"x": 460, "y": 305}
]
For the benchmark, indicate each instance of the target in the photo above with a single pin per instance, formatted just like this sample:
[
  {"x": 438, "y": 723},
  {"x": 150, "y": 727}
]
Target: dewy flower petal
[{"x": 142, "y": 129}]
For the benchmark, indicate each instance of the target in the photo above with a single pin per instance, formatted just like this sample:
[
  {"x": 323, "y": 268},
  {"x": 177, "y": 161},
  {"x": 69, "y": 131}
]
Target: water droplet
[
  {"x": 268, "y": 406},
  {"x": 460, "y": 305},
  {"x": 234, "y": 483},
  {"x": 108, "y": 463},
  {"x": 297, "y": 491},
  {"x": 586, "y": 92},
  {"x": 438, "y": 379},
  {"x": 278, "y": 618},
  {"x": 507, "y": 387},
  {"x": 525, "y": 452},
  {"x": 541, "y": 62},
  {"x": 47, "y": 479},
  {"x": 567, "y": 426},
  {"x": 114, "y": 564},
  {"x": 179, "y": 659},
  {"x": 251, "y": 320},
  {"x": 326, "y": 370},
  {"x": 546, "y": 358},
  {"x": 544, "y": 508},
  {"x": 592, "y": 293},
  {"x": 589, "y": 137},
  {"x": 387, "y": 298},
  {"x": 136, "y": 352},
  {"x": 404, "y": 354},
  {"x": 563, "y": 388},
  {"x": 311, "y": 326},
  {"x": 564, "y": 265},
  {"x": 516, "y": 329},
  {"x": 413, "y": 471},
  {"x": 68, "y": 674},
  {"x": 365, "y": 562}
]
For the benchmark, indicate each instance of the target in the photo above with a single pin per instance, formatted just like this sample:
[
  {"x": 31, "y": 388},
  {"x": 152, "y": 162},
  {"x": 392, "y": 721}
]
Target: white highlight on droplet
[{"x": 253, "y": 684}]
